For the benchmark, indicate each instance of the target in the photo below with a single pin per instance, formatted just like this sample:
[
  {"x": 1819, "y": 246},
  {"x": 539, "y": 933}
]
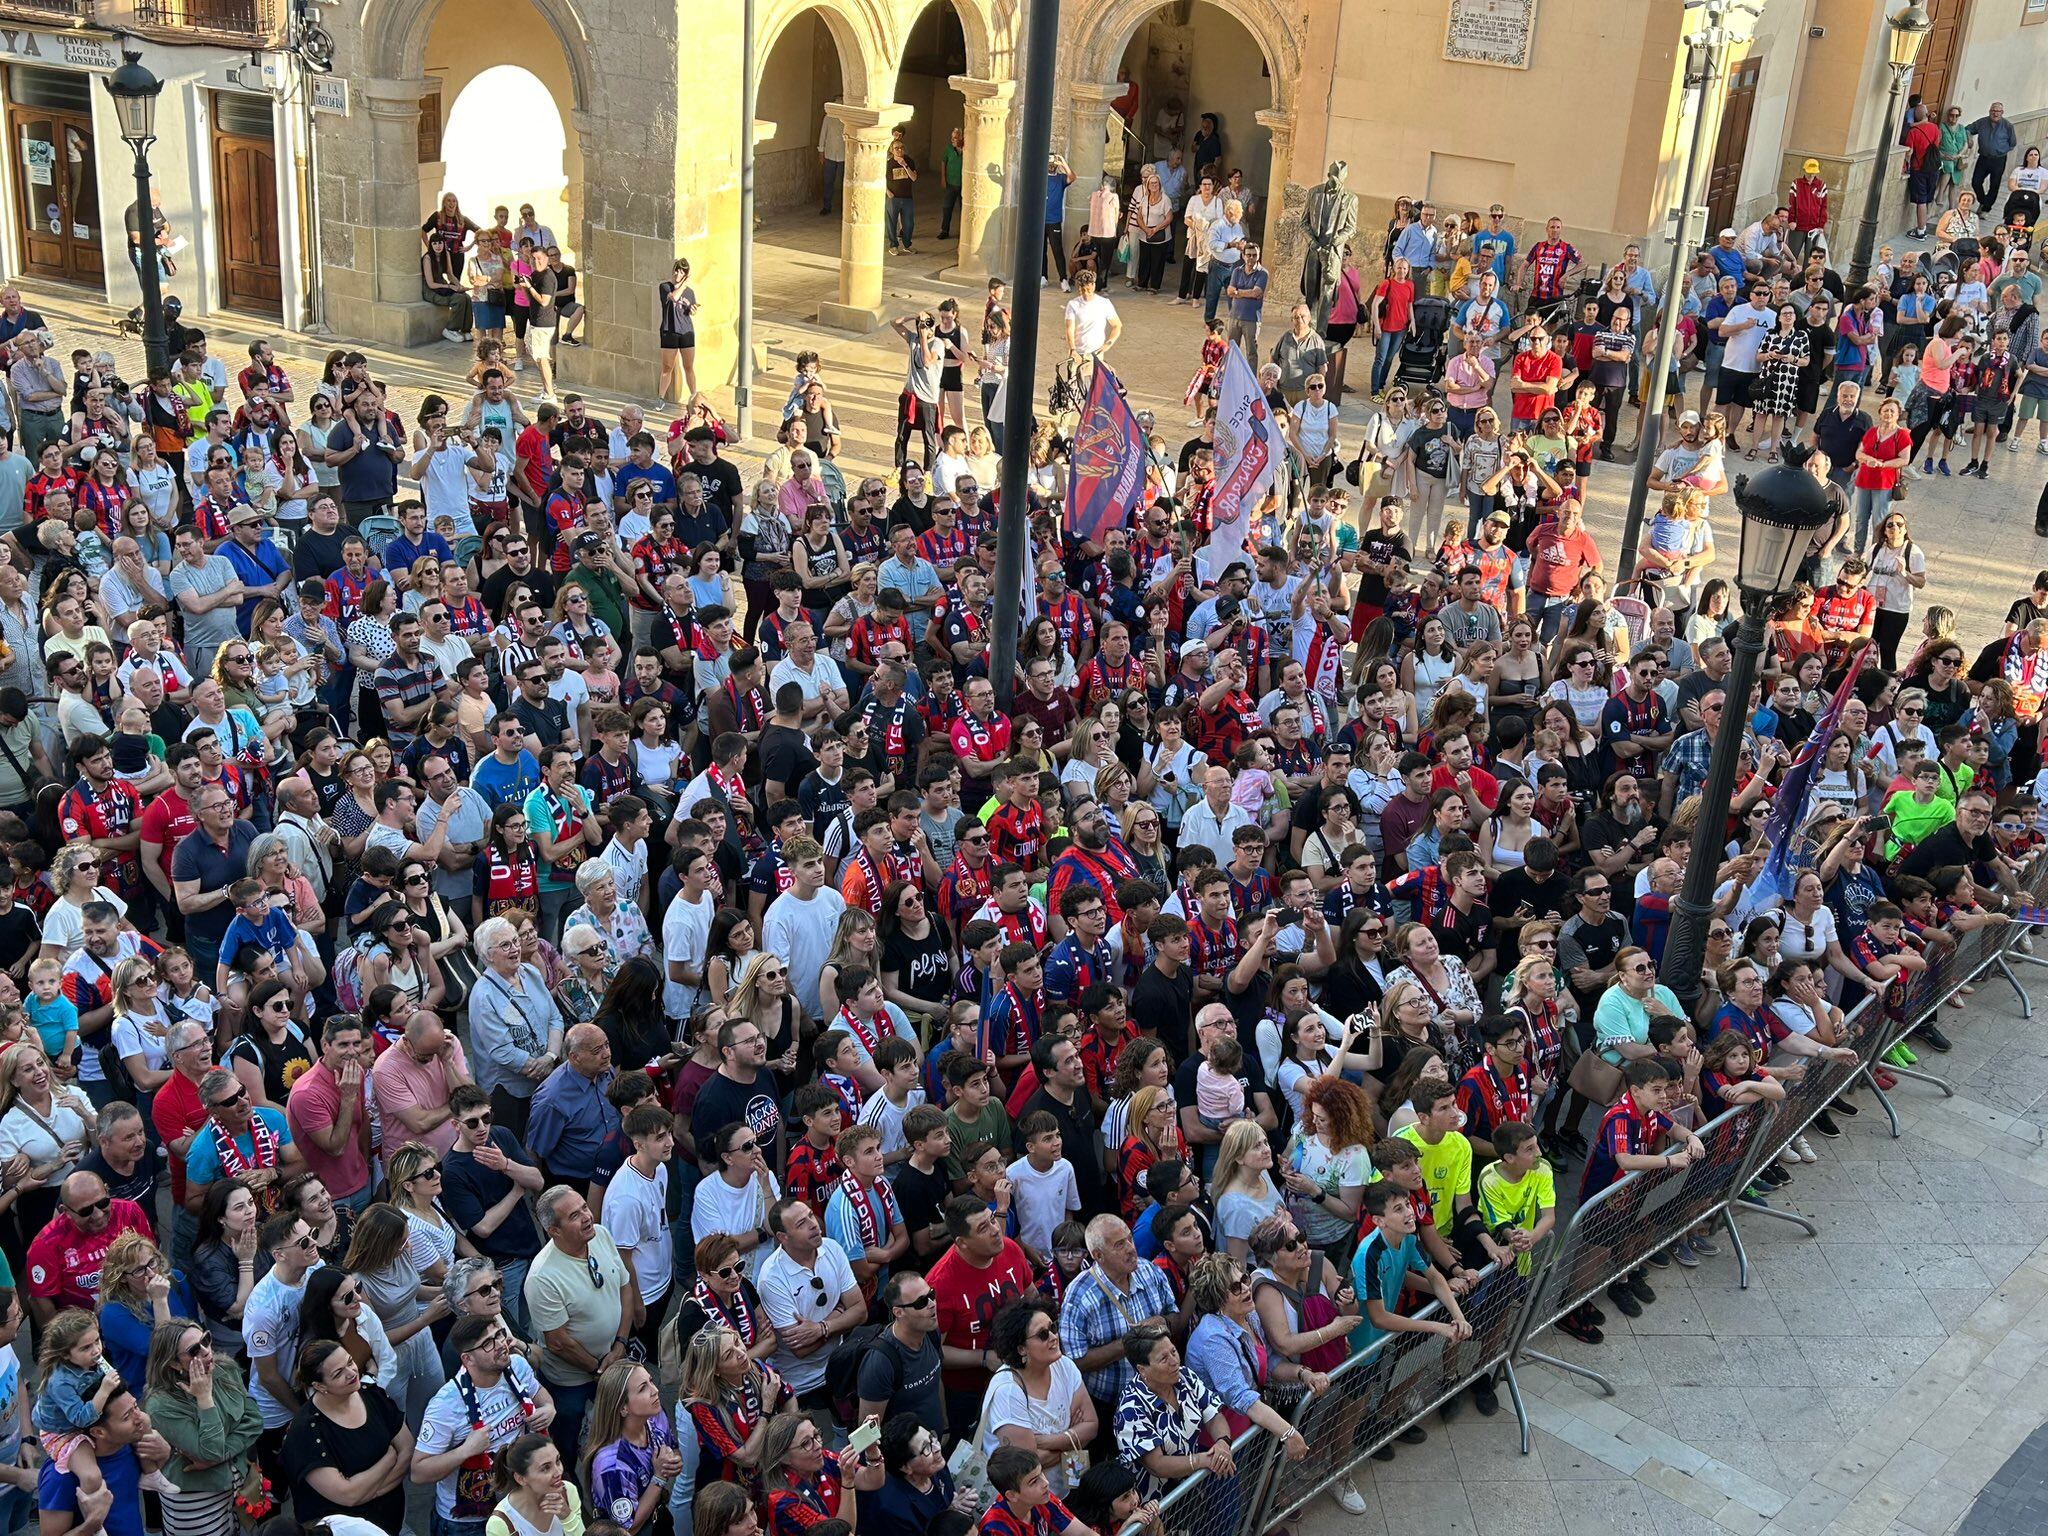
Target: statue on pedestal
[{"x": 1329, "y": 221}]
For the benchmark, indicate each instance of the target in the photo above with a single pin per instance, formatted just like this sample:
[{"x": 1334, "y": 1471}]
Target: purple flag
[
  {"x": 1106, "y": 469},
  {"x": 1788, "y": 806}
]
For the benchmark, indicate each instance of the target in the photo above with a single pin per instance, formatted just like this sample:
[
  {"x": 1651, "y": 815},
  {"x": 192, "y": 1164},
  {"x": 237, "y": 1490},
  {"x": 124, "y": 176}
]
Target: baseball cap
[
  {"x": 1498, "y": 516},
  {"x": 313, "y": 589},
  {"x": 1812, "y": 167},
  {"x": 1193, "y": 648},
  {"x": 1689, "y": 419},
  {"x": 1728, "y": 234},
  {"x": 589, "y": 541}
]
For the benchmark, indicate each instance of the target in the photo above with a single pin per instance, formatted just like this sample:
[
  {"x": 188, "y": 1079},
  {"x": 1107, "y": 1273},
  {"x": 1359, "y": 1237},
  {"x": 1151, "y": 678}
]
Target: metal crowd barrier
[{"x": 1379, "y": 1393}]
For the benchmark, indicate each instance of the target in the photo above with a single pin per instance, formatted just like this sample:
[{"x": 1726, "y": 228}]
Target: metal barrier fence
[{"x": 1377, "y": 1394}]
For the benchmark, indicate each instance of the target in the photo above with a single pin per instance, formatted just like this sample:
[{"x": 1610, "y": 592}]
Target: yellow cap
[{"x": 1812, "y": 167}]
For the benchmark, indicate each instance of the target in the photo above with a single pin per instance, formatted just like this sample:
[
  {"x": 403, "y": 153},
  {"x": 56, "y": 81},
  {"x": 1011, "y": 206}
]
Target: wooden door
[
  {"x": 58, "y": 203},
  {"x": 245, "y": 191},
  {"x": 1732, "y": 144},
  {"x": 1936, "y": 67}
]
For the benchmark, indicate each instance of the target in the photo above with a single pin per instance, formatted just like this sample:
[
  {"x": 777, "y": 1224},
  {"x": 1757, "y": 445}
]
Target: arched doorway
[
  {"x": 799, "y": 75},
  {"x": 503, "y": 109},
  {"x": 1191, "y": 58},
  {"x": 503, "y": 142},
  {"x": 934, "y": 54}
]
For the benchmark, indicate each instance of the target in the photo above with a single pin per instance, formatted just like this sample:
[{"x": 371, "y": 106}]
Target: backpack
[
  {"x": 348, "y": 979},
  {"x": 842, "y": 1370}
]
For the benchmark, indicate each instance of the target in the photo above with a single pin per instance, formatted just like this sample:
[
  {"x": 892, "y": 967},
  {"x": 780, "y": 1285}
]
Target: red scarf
[
  {"x": 263, "y": 1146},
  {"x": 865, "y": 1203},
  {"x": 873, "y": 878},
  {"x": 869, "y": 1032}
]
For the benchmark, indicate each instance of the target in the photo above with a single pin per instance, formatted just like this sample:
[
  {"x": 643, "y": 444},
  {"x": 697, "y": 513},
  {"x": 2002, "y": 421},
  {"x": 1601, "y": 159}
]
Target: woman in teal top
[{"x": 1621, "y": 1022}]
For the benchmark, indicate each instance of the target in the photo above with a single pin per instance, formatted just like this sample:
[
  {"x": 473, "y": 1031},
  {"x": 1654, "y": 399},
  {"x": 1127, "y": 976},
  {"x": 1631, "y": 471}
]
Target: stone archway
[
  {"x": 945, "y": 74},
  {"x": 1106, "y": 29}
]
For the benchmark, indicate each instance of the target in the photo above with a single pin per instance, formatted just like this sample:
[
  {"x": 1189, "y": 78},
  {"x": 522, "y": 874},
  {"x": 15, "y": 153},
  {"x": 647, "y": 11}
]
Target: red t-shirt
[
  {"x": 1484, "y": 784},
  {"x": 1868, "y": 479},
  {"x": 969, "y": 1299},
  {"x": 1557, "y": 560},
  {"x": 165, "y": 821},
  {"x": 64, "y": 1263},
  {"x": 1398, "y": 300},
  {"x": 177, "y": 1112},
  {"x": 1528, "y": 368}
]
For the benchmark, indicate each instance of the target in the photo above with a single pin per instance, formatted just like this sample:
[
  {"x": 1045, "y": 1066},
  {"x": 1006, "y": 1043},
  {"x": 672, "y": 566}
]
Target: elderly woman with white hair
[
  {"x": 592, "y": 965},
  {"x": 618, "y": 918},
  {"x": 515, "y": 1026}
]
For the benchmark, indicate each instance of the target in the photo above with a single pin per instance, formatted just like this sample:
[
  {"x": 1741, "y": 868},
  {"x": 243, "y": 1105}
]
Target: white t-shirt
[
  {"x": 64, "y": 923},
  {"x": 887, "y": 1118},
  {"x": 788, "y": 1297},
  {"x": 270, "y": 1326},
  {"x": 1007, "y": 1403},
  {"x": 1090, "y": 317},
  {"x": 685, "y": 936},
  {"x": 1742, "y": 349},
  {"x": 1043, "y": 1200},
  {"x": 718, "y": 1207},
  {"x": 1807, "y": 940},
  {"x": 134, "y": 1036},
  {"x": 801, "y": 933},
  {"x": 446, "y": 1423},
  {"x": 636, "y": 1215}
]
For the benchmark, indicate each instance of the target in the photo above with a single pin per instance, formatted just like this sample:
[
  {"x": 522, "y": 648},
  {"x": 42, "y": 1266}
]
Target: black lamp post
[
  {"x": 1908, "y": 29},
  {"x": 1780, "y": 509},
  {"x": 135, "y": 90}
]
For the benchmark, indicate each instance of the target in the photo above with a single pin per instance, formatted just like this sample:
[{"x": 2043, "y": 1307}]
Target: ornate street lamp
[
  {"x": 1780, "y": 508},
  {"x": 1907, "y": 30},
  {"x": 135, "y": 91}
]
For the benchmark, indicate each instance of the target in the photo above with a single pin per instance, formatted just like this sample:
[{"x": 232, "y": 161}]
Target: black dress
[{"x": 316, "y": 1441}]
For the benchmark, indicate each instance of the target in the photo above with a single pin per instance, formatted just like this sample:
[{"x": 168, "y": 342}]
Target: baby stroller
[
  {"x": 1633, "y": 607},
  {"x": 1422, "y": 345}
]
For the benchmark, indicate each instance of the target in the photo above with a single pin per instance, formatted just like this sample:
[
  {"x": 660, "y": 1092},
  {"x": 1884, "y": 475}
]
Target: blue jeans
[
  {"x": 1212, "y": 292},
  {"x": 899, "y": 217},
  {"x": 1551, "y": 613},
  {"x": 1461, "y": 418},
  {"x": 443, "y": 1526},
  {"x": 512, "y": 1275},
  {"x": 835, "y": 178},
  {"x": 1386, "y": 347},
  {"x": 358, "y": 1202},
  {"x": 572, "y": 1404},
  {"x": 1869, "y": 517}
]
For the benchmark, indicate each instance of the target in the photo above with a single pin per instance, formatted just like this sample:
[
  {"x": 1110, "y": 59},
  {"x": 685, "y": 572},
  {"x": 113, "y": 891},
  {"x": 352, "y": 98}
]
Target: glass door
[{"x": 57, "y": 209}]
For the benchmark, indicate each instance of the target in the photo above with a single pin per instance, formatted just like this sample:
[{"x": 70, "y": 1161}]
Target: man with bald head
[
  {"x": 413, "y": 1079},
  {"x": 131, "y": 585},
  {"x": 64, "y": 1260},
  {"x": 572, "y": 1120}
]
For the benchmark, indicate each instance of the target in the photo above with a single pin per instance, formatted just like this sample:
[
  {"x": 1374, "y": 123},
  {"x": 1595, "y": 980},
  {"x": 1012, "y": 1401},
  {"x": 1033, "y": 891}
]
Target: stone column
[
  {"x": 859, "y": 307},
  {"x": 1086, "y": 144},
  {"x": 382, "y": 299},
  {"x": 1280, "y": 236},
  {"x": 981, "y": 175}
]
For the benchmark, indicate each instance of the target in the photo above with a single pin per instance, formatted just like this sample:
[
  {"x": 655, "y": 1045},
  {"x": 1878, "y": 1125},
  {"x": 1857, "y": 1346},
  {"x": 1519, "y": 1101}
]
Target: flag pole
[{"x": 1027, "y": 263}]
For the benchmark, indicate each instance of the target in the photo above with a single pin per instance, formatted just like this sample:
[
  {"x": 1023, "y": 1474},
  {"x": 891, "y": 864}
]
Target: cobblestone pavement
[{"x": 1870, "y": 1382}]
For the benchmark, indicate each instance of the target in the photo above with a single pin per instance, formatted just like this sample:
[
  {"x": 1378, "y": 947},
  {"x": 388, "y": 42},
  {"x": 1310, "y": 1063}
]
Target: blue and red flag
[
  {"x": 1106, "y": 467},
  {"x": 1773, "y": 882}
]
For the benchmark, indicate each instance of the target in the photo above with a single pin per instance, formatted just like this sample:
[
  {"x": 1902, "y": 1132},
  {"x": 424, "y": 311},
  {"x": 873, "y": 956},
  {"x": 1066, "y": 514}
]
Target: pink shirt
[
  {"x": 1468, "y": 381},
  {"x": 313, "y": 1105},
  {"x": 400, "y": 1082}
]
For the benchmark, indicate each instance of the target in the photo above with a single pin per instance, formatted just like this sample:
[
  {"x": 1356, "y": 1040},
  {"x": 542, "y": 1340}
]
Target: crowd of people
[{"x": 535, "y": 963}]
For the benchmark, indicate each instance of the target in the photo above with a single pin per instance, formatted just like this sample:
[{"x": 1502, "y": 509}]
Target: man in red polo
[
  {"x": 973, "y": 1279},
  {"x": 179, "y": 1114},
  {"x": 64, "y": 1260}
]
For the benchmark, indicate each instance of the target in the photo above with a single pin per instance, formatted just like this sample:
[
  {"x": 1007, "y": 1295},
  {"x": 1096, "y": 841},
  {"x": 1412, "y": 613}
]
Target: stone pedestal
[
  {"x": 381, "y": 299},
  {"x": 987, "y": 130},
  {"x": 859, "y": 306}
]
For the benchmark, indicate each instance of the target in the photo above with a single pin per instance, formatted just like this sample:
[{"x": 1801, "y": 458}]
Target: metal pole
[
  {"x": 1686, "y": 943},
  {"x": 1689, "y": 183},
  {"x": 743, "y": 393},
  {"x": 1873, "y": 196},
  {"x": 155, "y": 346},
  {"x": 1013, "y": 532}
]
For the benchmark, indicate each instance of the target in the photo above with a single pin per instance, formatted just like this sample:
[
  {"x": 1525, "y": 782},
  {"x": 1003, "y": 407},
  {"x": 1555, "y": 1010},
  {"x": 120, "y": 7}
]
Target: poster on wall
[
  {"x": 40, "y": 156},
  {"x": 1498, "y": 32}
]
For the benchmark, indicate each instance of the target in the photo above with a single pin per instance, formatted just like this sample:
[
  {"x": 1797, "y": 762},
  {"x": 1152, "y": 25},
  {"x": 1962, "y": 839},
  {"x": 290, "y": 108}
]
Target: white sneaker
[
  {"x": 2042, "y": 447},
  {"x": 519, "y": 365},
  {"x": 158, "y": 1483},
  {"x": 1806, "y": 1152},
  {"x": 449, "y": 335},
  {"x": 2012, "y": 445},
  {"x": 1348, "y": 1498},
  {"x": 1065, "y": 286},
  {"x": 1790, "y": 1156}
]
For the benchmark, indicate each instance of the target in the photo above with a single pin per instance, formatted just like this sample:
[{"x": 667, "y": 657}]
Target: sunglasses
[{"x": 97, "y": 1207}]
